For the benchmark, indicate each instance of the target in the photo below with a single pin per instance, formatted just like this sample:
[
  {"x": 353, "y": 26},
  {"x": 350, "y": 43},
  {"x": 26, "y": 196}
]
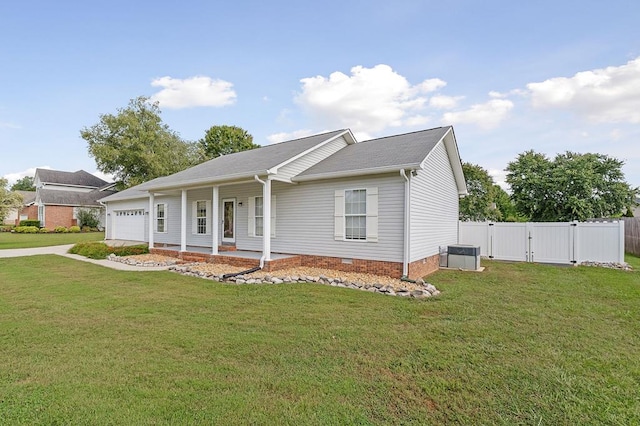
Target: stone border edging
[{"x": 428, "y": 290}]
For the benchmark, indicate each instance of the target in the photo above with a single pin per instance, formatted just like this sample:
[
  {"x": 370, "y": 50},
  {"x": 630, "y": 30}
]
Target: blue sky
[{"x": 509, "y": 76}]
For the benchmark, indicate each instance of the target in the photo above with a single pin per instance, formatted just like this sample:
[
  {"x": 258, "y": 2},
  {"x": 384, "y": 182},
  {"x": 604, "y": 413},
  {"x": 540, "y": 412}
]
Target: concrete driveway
[{"x": 62, "y": 251}]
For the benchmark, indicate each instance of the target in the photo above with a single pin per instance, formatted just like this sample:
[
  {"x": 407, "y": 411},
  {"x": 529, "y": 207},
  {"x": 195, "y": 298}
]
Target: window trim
[
  {"x": 197, "y": 217},
  {"x": 371, "y": 215},
  {"x": 163, "y": 218},
  {"x": 251, "y": 226},
  {"x": 361, "y": 215}
]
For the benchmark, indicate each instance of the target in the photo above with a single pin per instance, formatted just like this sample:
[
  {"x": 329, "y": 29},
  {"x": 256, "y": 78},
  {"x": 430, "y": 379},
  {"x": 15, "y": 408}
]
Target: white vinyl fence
[{"x": 547, "y": 242}]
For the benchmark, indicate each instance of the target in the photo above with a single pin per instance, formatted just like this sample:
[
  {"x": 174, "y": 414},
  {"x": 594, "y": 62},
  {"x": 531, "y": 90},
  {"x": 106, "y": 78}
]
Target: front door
[{"x": 229, "y": 221}]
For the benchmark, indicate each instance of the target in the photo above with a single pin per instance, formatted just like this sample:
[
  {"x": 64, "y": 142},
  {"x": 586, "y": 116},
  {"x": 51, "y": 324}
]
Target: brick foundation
[
  {"x": 417, "y": 269},
  {"x": 424, "y": 267}
]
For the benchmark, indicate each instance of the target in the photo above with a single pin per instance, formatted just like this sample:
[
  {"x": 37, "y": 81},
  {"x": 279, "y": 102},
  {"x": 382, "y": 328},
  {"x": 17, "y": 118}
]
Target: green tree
[
  {"x": 481, "y": 203},
  {"x": 223, "y": 140},
  {"x": 8, "y": 200},
  {"x": 24, "y": 184},
  {"x": 572, "y": 186},
  {"x": 135, "y": 145}
]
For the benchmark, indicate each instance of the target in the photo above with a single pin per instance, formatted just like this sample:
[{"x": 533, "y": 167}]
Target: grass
[
  {"x": 516, "y": 344},
  {"x": 10, "y": 240}
]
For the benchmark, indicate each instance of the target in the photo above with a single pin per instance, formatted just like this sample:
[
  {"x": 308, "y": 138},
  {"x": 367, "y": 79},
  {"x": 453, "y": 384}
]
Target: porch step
[{"x": 225, "y": 247}]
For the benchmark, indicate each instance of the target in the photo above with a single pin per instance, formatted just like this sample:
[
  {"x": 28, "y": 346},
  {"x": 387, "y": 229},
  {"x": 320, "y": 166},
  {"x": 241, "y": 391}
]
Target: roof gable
[{"x": 408, "y": 150}]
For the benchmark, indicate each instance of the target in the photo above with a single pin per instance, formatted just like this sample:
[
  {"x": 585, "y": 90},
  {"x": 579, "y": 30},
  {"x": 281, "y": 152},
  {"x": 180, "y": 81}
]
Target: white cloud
[
  {"x": 445, "y": 102},
  {"x": 486, "y": 116},
  {"x": 367, "y": 101},
  {"x": 103, "y": 176},
  {"x": 284, "y": 136},
  {"x": 7, "y": 125},
  {"x": 606, "y": 95},
  {"x": 500, "y": 178},
  {"x": 199, "y": 91},
  {"x": 14, "y": 177},
  {"x": 616, "y": 134}
]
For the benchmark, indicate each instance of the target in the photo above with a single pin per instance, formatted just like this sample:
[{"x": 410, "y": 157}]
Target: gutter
[
  {"x": 351, "y": 173},
  {"x": 407, "y": 223},
  {"x": 263, "y": 257}
]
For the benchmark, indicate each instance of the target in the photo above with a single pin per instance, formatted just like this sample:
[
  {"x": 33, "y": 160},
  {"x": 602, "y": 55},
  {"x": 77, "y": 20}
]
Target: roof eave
[
  {"x": 203, "y": 181},
  {"x": 354, "y": 173}
]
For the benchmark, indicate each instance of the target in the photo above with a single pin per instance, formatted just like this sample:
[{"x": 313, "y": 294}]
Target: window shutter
[
  {"x": 273, "y": 215},
  {"x": 194, "y": 217},
  {"x": 338, "y": 217},
  {"x": 251, "y": 226},
  {"x": 372, "y": 214},
  {"x": 209, "y": 216}
]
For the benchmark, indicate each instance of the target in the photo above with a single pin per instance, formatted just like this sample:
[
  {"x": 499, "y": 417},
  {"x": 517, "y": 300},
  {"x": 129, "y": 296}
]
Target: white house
[{"x": 382, "y": 206}]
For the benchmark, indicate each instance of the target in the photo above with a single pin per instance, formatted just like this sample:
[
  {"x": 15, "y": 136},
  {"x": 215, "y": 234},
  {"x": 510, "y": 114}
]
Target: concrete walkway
[{"x": 62, "y": 251}]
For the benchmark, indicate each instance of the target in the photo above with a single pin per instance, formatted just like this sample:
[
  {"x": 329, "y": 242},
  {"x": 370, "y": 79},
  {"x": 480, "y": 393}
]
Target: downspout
[
  {"x": 407, "y": 222},
  {"x": 262, "y": 258},
  {"x": 106, "y": 219}
]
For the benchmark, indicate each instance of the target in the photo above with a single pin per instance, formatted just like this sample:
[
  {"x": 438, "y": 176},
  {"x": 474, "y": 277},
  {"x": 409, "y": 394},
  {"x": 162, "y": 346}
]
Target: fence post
[
  {"x": 490, "y": 239},
  {"x": 621, "y": 236}
]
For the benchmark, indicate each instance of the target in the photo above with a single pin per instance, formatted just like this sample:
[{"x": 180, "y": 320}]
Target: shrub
[
  {"x": 97, "y": 250},
  {"x": 43, "y": 231},
  {"x": 92, "y": 250},
  {"x": 6, "y": 228},
  {"x": 74, "y": 229},
  {"x": 85, "y": 228},
  {"x": 60, "y": 229},
  {"x": 30, "y": 222},
  {"x": 27, "y": 229},
  {"x": 88, "y": 217}
]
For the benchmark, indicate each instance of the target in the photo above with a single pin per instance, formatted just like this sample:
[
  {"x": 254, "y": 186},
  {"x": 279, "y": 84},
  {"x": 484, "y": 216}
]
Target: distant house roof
[
  {"x": 71, "y": 198},
  {"x": 28, "y": 197},
  {"x": 78, "y": 178}
]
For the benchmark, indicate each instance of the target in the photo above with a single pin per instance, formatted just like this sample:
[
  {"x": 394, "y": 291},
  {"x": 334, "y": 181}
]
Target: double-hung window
[
  {"x": 355, "y": 214},
  {"x": 161, "y": 217},
  {"x": 201, "y": 217},
  {"x": 259, "y": 216},
  {"x": 256, "y": 216}
]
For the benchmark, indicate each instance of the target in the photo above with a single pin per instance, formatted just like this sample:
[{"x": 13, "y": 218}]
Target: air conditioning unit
[{"x": 463, "y": 256}]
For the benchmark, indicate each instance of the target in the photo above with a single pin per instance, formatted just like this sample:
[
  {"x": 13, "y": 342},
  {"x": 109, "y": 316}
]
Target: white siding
[
  {"x": 172, "y": 221},
  {"x": 434, "y": 206},
  {"x": 303, "y": 163},
  {"x": 305, "y": 219}
]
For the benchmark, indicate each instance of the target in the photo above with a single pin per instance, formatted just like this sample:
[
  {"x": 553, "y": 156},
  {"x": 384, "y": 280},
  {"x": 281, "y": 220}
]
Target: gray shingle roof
[
  {"x": 27, "y": 196},
  {"x": 245, "y": 163},
  {"x": 71, "y": 198},
  {"x": 400, "y": 151},
  {"x": 78, "y": 178}
]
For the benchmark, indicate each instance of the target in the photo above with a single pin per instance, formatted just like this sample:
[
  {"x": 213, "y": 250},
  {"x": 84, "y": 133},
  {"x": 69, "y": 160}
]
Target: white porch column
[
  {"x": 215, "y": 219},
  {"x": 183, "y": 221},
  {"x": 151, "y": 221},
  {"x": 266, "y": 220}
]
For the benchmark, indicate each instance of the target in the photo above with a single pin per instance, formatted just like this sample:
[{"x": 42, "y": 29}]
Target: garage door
[{"x": 128, "y": 225}]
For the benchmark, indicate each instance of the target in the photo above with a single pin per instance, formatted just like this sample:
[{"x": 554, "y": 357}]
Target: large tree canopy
[
  {"x": 8, "y": 200},
  {"x": 136, "y": 146},
  {"x": 223, "y": 140},
  {"x": 486, "y": 200},
  {"x": 570, "y": 187},
  {"x": 24, "y": 184}
]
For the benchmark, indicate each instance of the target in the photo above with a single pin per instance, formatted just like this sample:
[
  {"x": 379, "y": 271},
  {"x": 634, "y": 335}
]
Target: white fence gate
[{"x": 547, "y": 242}]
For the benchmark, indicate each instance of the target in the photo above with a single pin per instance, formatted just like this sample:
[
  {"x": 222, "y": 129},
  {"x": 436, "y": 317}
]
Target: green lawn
[
  {"x": 10, "y": 240},
  {"x": 517, "y": 344}
]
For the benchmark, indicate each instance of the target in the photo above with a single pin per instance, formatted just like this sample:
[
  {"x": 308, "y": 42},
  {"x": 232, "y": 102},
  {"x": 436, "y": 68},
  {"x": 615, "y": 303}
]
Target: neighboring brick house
[
  {"x": 28, "y": 200},
  {"x": 60, "y": 194}
]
